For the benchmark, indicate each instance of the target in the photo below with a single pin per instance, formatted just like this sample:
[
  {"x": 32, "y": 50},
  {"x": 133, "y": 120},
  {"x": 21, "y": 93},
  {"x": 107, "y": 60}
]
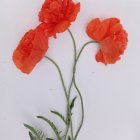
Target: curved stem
[
  {"x": 65, "y": 91},
  {"x": 74, "y": 43},
  {"x": 67, "y": 97},
  {"x": 81, "y": 98},
  {"x": 83, "y": 49},
  {"x": 69, "y": 111},
  {"x": 69, "y": 119},
  {"x": 61, "y": 76}
]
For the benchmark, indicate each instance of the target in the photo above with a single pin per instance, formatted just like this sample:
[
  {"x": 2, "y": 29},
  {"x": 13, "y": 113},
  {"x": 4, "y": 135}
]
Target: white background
[{"x": 111, "y": 93}]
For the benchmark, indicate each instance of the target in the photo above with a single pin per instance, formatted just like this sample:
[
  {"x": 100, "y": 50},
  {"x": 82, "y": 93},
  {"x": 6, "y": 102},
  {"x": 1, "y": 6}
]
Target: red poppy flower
[
  {"x": 112, "y": 37},
  {"x": 31, "y": 49},
  {"x": 58, "y": 15}
]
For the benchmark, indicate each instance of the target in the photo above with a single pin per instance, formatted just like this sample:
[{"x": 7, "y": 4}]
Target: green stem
[
  {"x": 61, "y": 76},
  {"x": 81, "y": 98},
  {"x": 74, "y": 43},
  {"x": 65, "y": 91},
  {"x": 69, "y": 111},
  {"x": 68, "y": 94}
]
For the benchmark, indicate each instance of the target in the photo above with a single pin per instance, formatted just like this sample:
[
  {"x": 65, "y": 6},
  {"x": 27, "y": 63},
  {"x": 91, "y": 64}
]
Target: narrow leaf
[
  {"x": 31, "y": 136},
  {"x": 72, "y": 103},
  {"x": 59, "y": 115},
  {"x": 34, "y": 134},
  {"x": 69, "y": 138},
  {"x": 52, "y": 125}
]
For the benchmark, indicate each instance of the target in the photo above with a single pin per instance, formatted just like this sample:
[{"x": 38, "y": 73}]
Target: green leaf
[
  {"x": 34, "y": 133},
  {"x": 72, "y": 103},
  {"x": 59, "y": 115},
  {"x": 69, "y": 138},
  {"x": 31, "y": 136},
  {"x": 52, "y": 125},
  {"x": 49, "y": 139}
]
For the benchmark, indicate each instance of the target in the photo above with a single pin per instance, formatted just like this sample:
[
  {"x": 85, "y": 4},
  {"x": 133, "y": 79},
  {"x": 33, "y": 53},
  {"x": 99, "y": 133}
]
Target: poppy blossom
[
  {"x": 58, "y": 15},
  {"x": 111, "y": 36},
  {"x": 31, "y": 49}
]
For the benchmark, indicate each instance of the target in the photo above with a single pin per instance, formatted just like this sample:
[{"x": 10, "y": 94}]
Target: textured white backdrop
[{"x": 111, "y": 94}]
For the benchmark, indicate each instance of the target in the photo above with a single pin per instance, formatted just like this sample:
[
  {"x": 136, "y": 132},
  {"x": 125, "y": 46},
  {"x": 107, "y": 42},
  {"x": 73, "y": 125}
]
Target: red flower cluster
[
  {"x": 56, "y": 16},
  {"x": 111, "y": 36}
]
